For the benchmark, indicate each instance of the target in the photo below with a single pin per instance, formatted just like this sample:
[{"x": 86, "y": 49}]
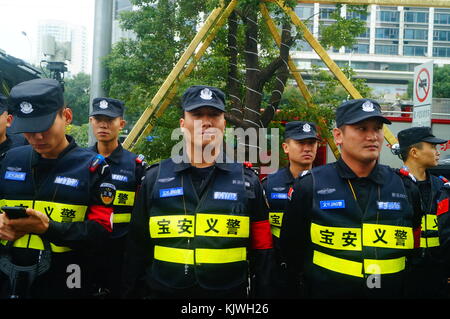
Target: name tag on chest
[
  {"x": 389, "y": 205},
  {"x": 278, "y": 195},
  {"x": 171, "y": 192},
  {"x": 73, "y": 182},
  {"x": 15, "y": 176},
  {"x": 332, "y": 204},
  {"x": 225, "y": 195}
]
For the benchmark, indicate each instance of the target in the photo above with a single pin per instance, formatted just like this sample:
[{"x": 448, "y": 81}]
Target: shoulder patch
[
  {"x": 304, "y": 173},
  {"x": 96, "y": 162},
  {"x": 405, "y": 173}
]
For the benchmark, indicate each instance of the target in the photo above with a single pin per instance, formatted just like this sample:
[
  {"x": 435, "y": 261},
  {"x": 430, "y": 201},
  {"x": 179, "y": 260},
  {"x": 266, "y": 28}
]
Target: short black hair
[{"x": 404, "y": 153}]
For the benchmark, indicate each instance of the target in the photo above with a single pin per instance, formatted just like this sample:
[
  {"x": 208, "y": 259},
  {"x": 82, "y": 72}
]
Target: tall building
[
  {"x": 64, "y": 33},
  {"x": 395, "y": 41},
  {"x": 117, "y": 32}
]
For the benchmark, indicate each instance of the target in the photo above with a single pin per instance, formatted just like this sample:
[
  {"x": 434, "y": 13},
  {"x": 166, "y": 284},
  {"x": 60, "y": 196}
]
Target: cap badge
[
  {"x": 206, "y": 94},
  {"x": 368, "y": 107},
  {"x": 306, "y": 128},
  {"x": 103, "y": 104},
  {"x": 26, "y": 107}
]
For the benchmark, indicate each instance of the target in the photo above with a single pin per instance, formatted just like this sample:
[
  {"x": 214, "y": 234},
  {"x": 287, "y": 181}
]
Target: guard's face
[
  {"x": 5, "y": 121},
  {"x": 52, "y": 142},
  {"x": 427, "y": 156},
  {"x": 203, "y": 126},
  {"x": 301, "y": 152},
  {"x": 362, "y": 141},
  {"x": 106, "y": 128}
]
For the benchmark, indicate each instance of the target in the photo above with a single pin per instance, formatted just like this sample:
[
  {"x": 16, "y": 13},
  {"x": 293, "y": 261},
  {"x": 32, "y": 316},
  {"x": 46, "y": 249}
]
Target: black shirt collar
[
  {"x": 185, "y": 164},
  {"x": 346, "y": 172},
  {"x": 115, "y": 156}
]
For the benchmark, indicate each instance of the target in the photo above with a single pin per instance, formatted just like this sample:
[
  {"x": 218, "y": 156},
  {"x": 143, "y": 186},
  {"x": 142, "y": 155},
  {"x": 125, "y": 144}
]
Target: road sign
[{"x": 423, "y": 94}]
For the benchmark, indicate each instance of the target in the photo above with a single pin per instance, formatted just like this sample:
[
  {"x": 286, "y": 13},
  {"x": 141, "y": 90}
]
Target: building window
[
  {"x": 441, "y": 52},
  {"x": 440, "y": 35},
  {"x": 386, "y": 33},
  {"x": 357, "y": 15},
  {"x": 416, "y": 17},
  {"x": 365, "y": 34},
  {"x": 416, "y": 34},
  {"x": 388, "y": 16},
  {"x": 386, "y": 49},
  {"x": 325, "y": 13},
  {"x": 359, "y": 48},
  {"x": 441, "y": 18},
  {"x": 304, "y": 13},
  {"x": 410, "y": 50}
]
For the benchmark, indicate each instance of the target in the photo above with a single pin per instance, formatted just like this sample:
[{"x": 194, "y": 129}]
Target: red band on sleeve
[
  {"x": 261, "y": 235},
  {"x": 416, "y": 234},
  {"x": 442, "y": 207},
  {"x": 102, "y": 215}
]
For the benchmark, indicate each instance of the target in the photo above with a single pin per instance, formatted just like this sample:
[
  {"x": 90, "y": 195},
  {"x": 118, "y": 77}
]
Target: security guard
[
  {"x": 300, "y": 144},
  {"x": 443, "y": 221},
  {"x": 68, "y": 194},
  {"x": 417, "y": 150},
  {"x": 7, "y": 140},
  {"x": 127, "y": 171},
  {"x": 350, "y": 224},
  {"x": 200, "y": 223}
]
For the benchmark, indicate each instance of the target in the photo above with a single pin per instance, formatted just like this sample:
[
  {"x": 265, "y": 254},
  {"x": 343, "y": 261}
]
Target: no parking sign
[{"x": 423, "y": 94}]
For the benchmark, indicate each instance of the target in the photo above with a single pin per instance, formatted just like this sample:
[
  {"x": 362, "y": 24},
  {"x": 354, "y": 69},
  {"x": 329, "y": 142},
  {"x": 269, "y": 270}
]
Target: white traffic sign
[{"x": 423, "y": 94}]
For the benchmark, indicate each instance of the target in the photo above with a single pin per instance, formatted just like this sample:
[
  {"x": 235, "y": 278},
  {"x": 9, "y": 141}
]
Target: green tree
[
  {"x": 76, "y": 95},
  {"x": 441, "y": 81},
  {"x": 242, "y": 60}
]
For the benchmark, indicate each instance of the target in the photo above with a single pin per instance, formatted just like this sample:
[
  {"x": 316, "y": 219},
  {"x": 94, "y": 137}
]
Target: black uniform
[
  {"x": 193, "y": 231},
  {"x": 340, "y": 228},
  {"x": 127, "y": 170},
  {"x": 74, "y": 191},
  {"x": 276, "y": 187},
  {"x": 12, "y": 140}
]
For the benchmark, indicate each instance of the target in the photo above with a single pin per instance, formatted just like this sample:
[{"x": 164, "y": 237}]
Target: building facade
[
  {"x": 65, "y": 36},
  {"x": 395, "y": 41}
]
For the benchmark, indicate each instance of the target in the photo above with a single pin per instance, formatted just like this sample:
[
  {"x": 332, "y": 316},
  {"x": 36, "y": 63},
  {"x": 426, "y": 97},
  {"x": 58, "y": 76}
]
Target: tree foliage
[
  {"x": 243, "y": 60},
  {"x": 76, "y": 96}
]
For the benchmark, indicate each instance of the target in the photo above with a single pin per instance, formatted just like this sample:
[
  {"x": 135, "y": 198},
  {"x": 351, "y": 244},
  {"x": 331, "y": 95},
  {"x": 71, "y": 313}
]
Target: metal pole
[{"x": 102, "y": 47}]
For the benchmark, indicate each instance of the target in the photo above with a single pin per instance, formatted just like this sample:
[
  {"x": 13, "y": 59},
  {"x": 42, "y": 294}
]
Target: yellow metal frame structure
[{"x": 206, "y": 35}]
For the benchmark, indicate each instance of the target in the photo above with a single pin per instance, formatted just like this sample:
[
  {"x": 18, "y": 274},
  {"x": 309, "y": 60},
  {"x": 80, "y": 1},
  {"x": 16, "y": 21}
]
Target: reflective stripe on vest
[
  {"x": 276, "y": 220},
  {"x": 354, "y": 268},
  {"x": 59, "y": 212},
  {"x": 373, "y": 235},
  {"x": 342, "y": 238},
  {"x": 124, "y": 198},
  {"x": 429, "y": 223},
  {"x": 212, "y": 225},
  {"x": 388, "y": 236},
  {"x": 200, "y": 255},
  {"x": 121, "y": 218}
]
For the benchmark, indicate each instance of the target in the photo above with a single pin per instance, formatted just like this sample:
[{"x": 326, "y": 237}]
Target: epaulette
[
  {"x": 140, "y": 161},
  {"x": 96, "y": 162},
  {"x": 403, "y": 172},
  {"x": 304, "y": 173},
  {"x": 446, "y": 181},
  {"x": 249, "y": 166}
]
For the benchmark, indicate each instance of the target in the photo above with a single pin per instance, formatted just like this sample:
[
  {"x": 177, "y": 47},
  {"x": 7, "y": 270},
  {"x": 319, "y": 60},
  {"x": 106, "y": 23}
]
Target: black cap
[
  {"x": 107, "y": 106},
  {"x": 415, "y": 135},
  {"x": 35, "y": 104},
  {"x": 298, "y": 130},
  {"x": 3, "y": 104},
  {"x": 201, "y": 95},
  {"x": 354, "y": 111}
]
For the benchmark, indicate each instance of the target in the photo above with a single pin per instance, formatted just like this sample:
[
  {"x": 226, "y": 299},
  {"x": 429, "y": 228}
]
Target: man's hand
[{"x": 13, "y": 229}]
